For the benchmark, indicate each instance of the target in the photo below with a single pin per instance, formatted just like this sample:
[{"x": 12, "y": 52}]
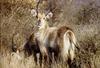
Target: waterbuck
[{"x": 58, "y": 40}]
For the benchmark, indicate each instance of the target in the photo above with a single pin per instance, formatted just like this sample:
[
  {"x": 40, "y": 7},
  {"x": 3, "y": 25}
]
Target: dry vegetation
[{"x": 17, "y": 24}]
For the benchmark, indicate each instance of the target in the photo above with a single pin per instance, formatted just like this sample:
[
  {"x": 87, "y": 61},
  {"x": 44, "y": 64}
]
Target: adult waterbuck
[{"x": 58, "y": 40}]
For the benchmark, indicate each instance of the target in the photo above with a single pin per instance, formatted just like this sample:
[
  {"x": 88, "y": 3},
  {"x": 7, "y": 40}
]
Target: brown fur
[
  {"x": 59, "y": 41},
  {"x": 60, "y": 32},
  {"x": 56, "y": 36}
]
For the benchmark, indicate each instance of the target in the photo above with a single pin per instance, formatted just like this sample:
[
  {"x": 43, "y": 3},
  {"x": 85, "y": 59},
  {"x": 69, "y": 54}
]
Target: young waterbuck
[{"x": 58, "y": 40}]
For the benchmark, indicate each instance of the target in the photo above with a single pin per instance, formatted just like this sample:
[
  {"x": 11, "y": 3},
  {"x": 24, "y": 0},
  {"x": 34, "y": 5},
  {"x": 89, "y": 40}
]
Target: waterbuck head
[{"x": 42, "y": 18}]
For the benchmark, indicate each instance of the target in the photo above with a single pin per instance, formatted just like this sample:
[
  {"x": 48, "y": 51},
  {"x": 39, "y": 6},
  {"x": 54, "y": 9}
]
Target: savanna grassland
[{"x": 17, "y": 24}]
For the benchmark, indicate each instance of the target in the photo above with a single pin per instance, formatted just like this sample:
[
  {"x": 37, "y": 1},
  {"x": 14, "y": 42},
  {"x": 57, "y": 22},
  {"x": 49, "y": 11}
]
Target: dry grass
[{"x": 17, "y": 22}]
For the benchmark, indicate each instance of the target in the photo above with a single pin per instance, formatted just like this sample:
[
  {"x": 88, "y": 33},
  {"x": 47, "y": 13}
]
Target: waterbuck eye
[{"x": 44, "y": 18}]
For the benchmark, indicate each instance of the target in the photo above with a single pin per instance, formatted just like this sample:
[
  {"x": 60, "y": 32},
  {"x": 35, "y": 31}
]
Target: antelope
[{"x": 58, "y": 40}]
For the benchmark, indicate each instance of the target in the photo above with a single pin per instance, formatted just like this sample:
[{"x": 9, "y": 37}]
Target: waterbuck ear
[
  {"x": 49, "y": 15},
  {"x": 33, "y": 12}
]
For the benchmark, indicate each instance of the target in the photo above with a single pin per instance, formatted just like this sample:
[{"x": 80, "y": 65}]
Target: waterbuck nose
[{"x": 38, "y": 23}]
